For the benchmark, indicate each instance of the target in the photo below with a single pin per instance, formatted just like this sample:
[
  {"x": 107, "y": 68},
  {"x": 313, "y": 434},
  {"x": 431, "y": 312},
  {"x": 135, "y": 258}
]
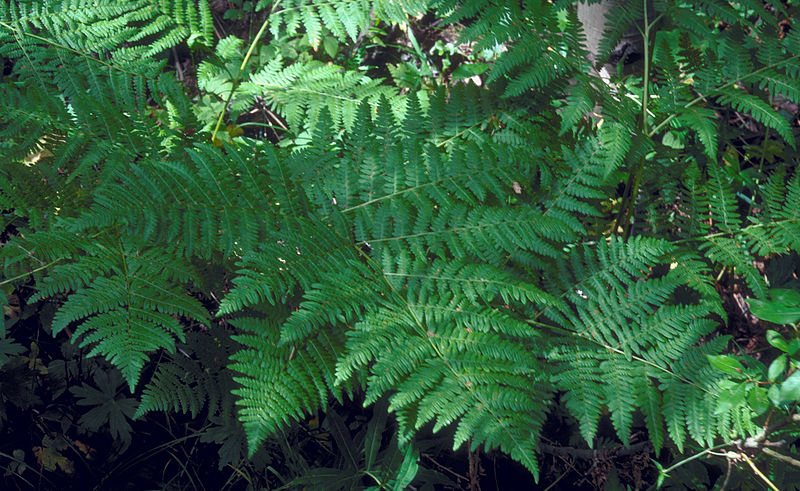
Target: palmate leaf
[
  {"x": 8, "y": 348},
  {"x": 111, "y": 407}
]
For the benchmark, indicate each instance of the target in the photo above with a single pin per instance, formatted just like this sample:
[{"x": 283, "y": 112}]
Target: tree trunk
[{"x": 595, "y": 19}]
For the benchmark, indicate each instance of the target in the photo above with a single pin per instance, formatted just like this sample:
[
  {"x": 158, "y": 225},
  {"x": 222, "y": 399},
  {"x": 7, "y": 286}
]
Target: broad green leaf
[
  {"x": 408, "y": 469},
  {"x": 775, "y": 339},
  {"x": 375, "y": 428},
  {"x": 331, "y": 46},
  {"x": 774, "y": 394},
  {"x": 754, "y": 369},
  {"x": 782, "y": 308},
  {"x": 790, "y": 390},
  {"x": 672, "y": 140},
  {"x": 469, "y": 70},
  {"x": 758, "y": 400},
  {"x": 729, "y": 399},
  {"x": 776, "y": 368},
  {"x": 785, "y": 296},
  {"x": 726, "y": 364}
]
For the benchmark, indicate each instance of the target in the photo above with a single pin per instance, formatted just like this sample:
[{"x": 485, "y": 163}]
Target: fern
[
  {"x": 454, "y": 252},
  {"x": 629, "y": 334},
  {"x": 700, "y": 120},
  {"x": 96, "y": 28},
  {"x": 616, "y": 142},
  {"x": 193, "y": 378},
  {"x": 759, "y": 110},
  {"x": 130, "y": 311},
  {"x": 536, "y": 59},
  {"x": 299, "y": 91},
  {"x": 342, "y": 18},
  {"x": 297, "y": 381}
]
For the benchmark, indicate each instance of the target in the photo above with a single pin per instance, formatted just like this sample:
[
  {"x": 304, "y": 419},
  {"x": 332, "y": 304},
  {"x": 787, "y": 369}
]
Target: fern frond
[
  {"x": 759, "y": 110},
  {"x": 193, "y": 378},
  {"x": 97, "y": 28},
  {"x": 441, "y": 370},
  {"x": 129, "y": 312},
  {"x": 280, "y": 385},
  {"x": 615, "y": 142},
  {"x": 721, "y": 200},
  {"x": 623, "y": 331},
  {"x": 733, "y": 253},
  {"x": 700, "y": 120},
  {"x": 343, "y": 18},
  {"x": 301, "y": 89},
  {"x": 579, "y": 104}
]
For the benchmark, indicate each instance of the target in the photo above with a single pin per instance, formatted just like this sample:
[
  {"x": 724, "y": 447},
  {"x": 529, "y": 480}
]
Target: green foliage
[
  {"x": 110, "y": 406},
  {"x": 345, "y": 19},
  {"x": 133, "y": 32},
  {"x": 296, "y": 89},
  {"x": 122, "y": 300},
  {"x": 466, "y": 255},
  {"x": 193, "y": 378},
  {"x": 363, "y": 458}
]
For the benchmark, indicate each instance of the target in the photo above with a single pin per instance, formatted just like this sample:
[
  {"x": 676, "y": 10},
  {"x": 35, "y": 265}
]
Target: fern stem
[
  {"x": 721, "y": 88},
  {"x": 19, "y": 276},
  {"x": 781, "y": 457},
  {"x": 628, "y": 206},
  {"x": 246, "y": 59},
  {"x": 67, "y": 48},
  {"x": 693, "y": 457},
  {"x": 734, "y": 232}
]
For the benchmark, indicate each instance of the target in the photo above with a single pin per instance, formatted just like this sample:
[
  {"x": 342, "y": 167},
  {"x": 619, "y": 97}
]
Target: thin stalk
[
  {"x": 19, "y": 276},
  {"x": 628, "y": 206},
  {"x": 27, "y": 466},
  {"x": 694, "y": 457},
  {"x": 241, "y": 69},
  {"x": 758, "y": 472},
  {"x": 699, "y": 98},
  {"x": 781, "y": 457}
]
